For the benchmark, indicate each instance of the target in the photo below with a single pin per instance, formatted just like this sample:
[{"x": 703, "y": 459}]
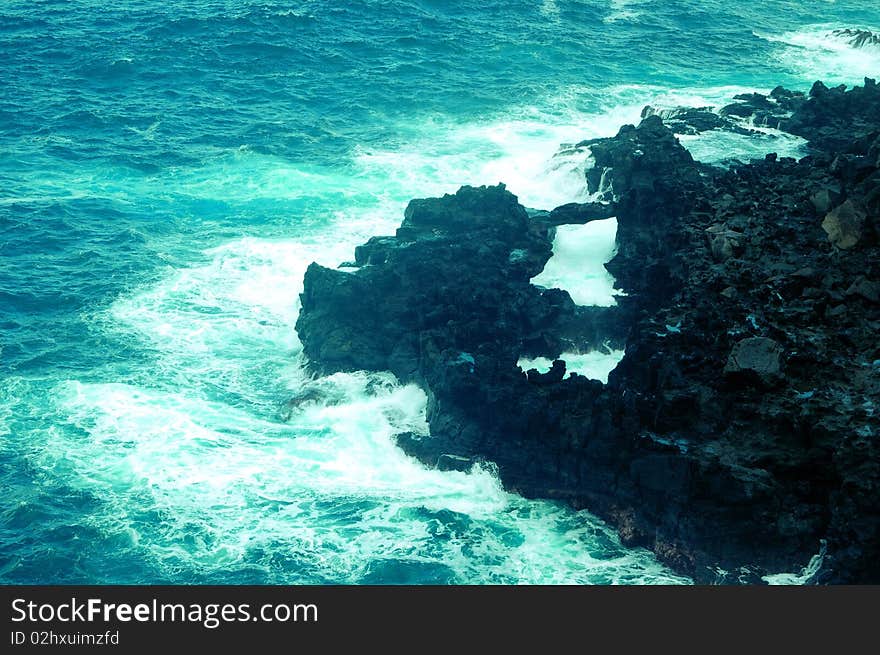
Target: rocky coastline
[{"x": 738, "y": 436}]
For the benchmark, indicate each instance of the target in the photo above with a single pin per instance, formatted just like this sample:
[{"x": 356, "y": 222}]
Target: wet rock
[
  {"x": 691, "y": 120},
  {"x": 722, "y": 247},
  {"x": 471, "y": 208},
  {"x": 447, "y": 462},
  {"x": 761, "y": 110},
  {"x": 580, "y": 213},
  {"x": 859, "y": 38}
]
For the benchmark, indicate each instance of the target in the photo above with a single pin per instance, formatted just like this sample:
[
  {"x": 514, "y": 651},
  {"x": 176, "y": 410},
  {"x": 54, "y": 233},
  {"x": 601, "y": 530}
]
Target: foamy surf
[
  {"x": 623, "y": 104},
  {"x": 623, "y": 10},
  {"x": 523, "y": 152},
  {"x": 719, "y": 147},
  {"x": 804, "y": 575},
  {"x": 577, "y": 265},
  {"x": 328, "y": 489},
  {"x": 823, "y": 52},
  {"x": 596, "y": 364}
]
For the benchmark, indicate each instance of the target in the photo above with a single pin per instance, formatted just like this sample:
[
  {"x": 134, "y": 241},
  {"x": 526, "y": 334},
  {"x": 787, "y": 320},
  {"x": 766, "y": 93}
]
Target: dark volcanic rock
[
  {"x": 455, "y": 279},
  {"x": 750, "y": 110},
  {"x": 580, "y": 213},
  {"x": 764, "y": 111},
  {"x": 839, "y": 121},
  {"x": 692, "y": 120},
  {"x": 858, "y": 38},
  {"x": 740, "y": 431}
]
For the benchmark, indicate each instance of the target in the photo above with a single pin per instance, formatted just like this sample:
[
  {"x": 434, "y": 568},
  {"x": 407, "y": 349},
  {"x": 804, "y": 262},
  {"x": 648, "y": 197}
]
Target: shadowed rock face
[{"x": 739, "y": 430}]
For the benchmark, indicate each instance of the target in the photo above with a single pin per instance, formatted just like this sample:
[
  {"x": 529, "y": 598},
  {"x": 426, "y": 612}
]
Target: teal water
[{"x": 167, "y": 172}]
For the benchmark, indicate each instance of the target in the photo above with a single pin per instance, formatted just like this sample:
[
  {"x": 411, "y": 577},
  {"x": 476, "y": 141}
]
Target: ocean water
[{"x": 167, "y": 172}]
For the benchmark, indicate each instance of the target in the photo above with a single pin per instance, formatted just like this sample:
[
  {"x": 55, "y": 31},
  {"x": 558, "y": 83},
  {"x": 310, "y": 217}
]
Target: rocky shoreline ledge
[{"x": 739, "y": 434}]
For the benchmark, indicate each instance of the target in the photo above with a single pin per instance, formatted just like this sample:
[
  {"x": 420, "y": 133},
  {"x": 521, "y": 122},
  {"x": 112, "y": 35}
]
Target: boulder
[
  {"x": 824, "y": 200},
  {"x": 758, "y": 355},
  {"x": 844, "y": 224},
  {"x": 864, "y": 288}
]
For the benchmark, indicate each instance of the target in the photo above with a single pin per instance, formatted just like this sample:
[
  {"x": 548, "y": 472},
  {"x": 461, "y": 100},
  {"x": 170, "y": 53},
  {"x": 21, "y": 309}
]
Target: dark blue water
[{"x": 167, "y": 172}]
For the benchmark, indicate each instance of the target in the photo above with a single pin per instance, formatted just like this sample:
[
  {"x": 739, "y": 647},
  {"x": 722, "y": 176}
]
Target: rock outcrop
[
  {"x": 749, "y": 112},
  {"x": 739, "y": 433},
  {"x": 858, "y": 38}
]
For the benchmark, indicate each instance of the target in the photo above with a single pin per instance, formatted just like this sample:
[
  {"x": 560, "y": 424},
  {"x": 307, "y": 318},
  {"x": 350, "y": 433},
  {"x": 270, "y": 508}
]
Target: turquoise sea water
[{"x": 167, "y": 172}]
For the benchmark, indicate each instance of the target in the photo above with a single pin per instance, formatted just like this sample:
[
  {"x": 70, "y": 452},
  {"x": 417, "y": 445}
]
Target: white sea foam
[
  {"x": 624, "y": 10},
  {"x": 717, "y": 146},
  {"x": 529, "y": 148},
  {"x": 550, "y": 9},
  {"x": 229, "y": 322},
  {"x": 713, "y": 146},
  {"x": 815, "y": 52},
  {"x": 329, "y": 489},
  {"x": 522, "y": 152},
  {"x": 577, "y": 264},
  {"x": 804, "y": 575},
  {"x": 595, "y": 364}
]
